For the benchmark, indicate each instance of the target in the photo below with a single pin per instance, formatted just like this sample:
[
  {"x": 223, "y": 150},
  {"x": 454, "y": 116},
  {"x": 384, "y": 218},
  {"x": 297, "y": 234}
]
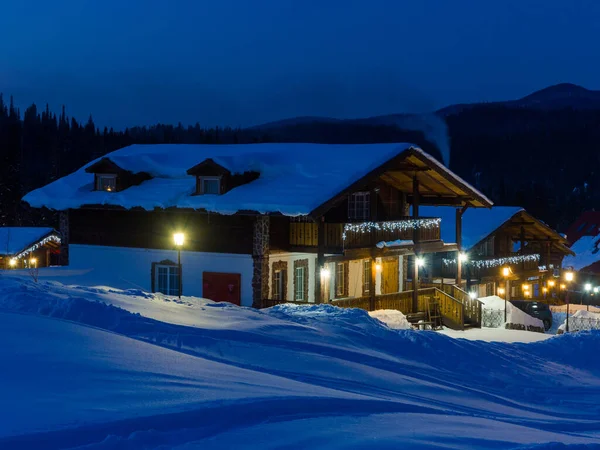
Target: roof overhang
[{"x": 437, "y": 185}]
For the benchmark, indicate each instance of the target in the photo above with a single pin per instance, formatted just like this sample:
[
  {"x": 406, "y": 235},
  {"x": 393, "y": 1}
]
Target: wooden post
[
  {"x": 320, "y": 260},
  {"x": 459, "y": 214},
  {"x": 416, "y": 239},
  {"x": 260, "y": 260}
]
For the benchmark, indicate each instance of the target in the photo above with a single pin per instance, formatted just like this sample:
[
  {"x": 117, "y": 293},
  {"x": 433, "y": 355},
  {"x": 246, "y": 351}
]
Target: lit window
[
  {"x": 209, "y": 185},
  {"x": 299, "y": 283},
  {"x": 167, "y": 279},
  {"x": 359, "y": 206},
  {"x": 106, "y": 183}
]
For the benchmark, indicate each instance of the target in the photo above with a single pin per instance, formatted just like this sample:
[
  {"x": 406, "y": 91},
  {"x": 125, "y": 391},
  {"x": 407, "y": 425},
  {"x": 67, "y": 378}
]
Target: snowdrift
[
  {"x": 514, "y": 316},
  {"x": 291, "y": 376}
]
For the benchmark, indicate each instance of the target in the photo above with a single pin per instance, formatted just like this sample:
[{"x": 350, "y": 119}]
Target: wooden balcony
[{"x": 343, "y": 236}]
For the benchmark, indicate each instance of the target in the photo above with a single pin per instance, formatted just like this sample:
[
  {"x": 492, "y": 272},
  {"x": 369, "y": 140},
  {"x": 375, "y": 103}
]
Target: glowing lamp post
[
  {"x": 179, "y": 239},
  {"x": 506, "y": 274},
  {"x": 13, "y": 262},
  {"x": 569, "y": 277},
  {"x": 587, "y": 288}
]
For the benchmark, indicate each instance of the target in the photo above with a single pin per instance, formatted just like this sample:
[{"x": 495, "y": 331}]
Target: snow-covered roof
[
  {"x": 477, "y": 223},
  {"x": 586, "y": 251},
  {"x": 294, "y": 178},
  {"x": 14, "y": 240}
]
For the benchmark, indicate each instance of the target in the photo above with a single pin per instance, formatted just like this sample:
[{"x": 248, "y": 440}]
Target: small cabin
[{"x": 28, "y": 247}]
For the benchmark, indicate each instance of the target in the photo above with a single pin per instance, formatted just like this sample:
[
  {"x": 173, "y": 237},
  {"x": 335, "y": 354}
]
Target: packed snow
[
  {"x": 392, "y": 318},
  {"x": 513, "y": 314},
  {"x": 90, "y": 374},
  {"x": 16, "y": 239},
  {"x": 581, "y": 320}
]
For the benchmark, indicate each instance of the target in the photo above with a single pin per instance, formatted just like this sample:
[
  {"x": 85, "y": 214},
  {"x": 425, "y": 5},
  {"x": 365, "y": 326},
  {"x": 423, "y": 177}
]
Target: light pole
[
  {"x": 506, "y": 274},
  {"x": 587, "y": 288},
  {"x": 569, "y": 276},
  {"x": 179, "y": 239}
]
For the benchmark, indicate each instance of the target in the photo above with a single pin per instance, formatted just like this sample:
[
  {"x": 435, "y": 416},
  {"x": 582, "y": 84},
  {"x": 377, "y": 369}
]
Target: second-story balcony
[{"x": 346, "y": 236}]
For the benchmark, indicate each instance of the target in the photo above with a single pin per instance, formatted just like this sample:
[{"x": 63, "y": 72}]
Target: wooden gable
[
  {"x": 124, "y": 178},
  {"x": 228, "y": 181}
]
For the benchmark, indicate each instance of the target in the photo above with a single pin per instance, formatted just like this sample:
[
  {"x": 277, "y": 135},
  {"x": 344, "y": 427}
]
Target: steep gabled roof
[
  {"x": 479, "y": 224},
  {"x": 295, "y": 179}
]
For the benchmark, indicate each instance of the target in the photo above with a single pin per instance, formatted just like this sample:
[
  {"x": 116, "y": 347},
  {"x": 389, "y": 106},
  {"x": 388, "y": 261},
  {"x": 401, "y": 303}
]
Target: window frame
[
  {"x": 366, "y": 284},
  {"x": 200, "y": 184},
  {"x": 100, "y": 177},
  {"x": 169, "y": 290},
  {"x": 341, "y": 279},
  {"x": 365, "y": 208}
]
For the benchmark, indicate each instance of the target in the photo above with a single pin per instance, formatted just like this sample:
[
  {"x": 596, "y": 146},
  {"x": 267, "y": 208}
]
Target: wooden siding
[{"x": 154, "y": 229}]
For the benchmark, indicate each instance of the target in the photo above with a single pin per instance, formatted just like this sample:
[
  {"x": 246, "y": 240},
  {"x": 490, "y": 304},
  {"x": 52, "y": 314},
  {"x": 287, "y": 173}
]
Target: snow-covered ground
[{"x": 115, "y": 374}]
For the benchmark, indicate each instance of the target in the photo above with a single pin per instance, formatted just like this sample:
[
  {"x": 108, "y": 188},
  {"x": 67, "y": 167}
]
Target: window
[
  {"x": 167, "y": 279},
  {"x": 340, "y": 280},
  {"x": 209, "y": 185},
  {"x": 299, "y": 284},
  {"x": 366, "y": 276},
  {"x": 106, "y": 183},
  {"x": 359, "y": 206},
  {"x": 278, "y": 285}
]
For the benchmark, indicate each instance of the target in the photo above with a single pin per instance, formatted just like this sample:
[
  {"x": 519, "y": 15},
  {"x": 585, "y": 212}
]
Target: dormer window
[
  {"x": 106, "y": 182},
  {"x": 209, "y": 185}
]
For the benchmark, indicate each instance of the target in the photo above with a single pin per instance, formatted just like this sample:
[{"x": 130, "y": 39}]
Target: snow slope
[{"x": 288, "y": 377}]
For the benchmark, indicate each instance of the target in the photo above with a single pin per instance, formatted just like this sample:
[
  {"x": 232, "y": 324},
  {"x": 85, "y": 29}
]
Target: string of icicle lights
[
  {"x": 401, "y": 225},
  {"x": 489, "y": 263},
  {"x": 34, "y": 247}
]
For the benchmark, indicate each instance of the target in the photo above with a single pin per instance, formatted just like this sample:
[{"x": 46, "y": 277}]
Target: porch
[{"x": 457, "y": 309}]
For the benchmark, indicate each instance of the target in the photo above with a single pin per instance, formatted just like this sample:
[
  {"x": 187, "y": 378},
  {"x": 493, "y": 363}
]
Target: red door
[{"x": 221, "y": 287}]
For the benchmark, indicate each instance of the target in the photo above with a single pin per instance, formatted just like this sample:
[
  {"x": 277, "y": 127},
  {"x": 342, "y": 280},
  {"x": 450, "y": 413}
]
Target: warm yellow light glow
[
  {"x": 501, "y": 291},
  {"x": 569, "y": 276},
  {"x": 108, "y": 188},
  {"x": 588, "y": 287},
  {"x": 544, "y": 289},
  {"x": 506, "y": 271},
  {"x": 420, "y": 262},
  {"x": 463, "y": 257},
  {"x": 378, "y": 267},
  {"x": 12, "y": 262},
  {"x": 551, "y": 283},
  {"x": 562, "y": 286},
  {"x": 525, "y": 287},
  {"x": 33, "y": 261},
  {"x": 179, "y": 239},
  {"x": 325, "y": 273}
]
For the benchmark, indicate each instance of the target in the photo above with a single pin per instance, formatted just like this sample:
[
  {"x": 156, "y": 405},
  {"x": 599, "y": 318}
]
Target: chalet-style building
[
  {"x": 24, "y": 247},
  {"x": 500, "y": 237},
  {"x": 263, "y": 223}
]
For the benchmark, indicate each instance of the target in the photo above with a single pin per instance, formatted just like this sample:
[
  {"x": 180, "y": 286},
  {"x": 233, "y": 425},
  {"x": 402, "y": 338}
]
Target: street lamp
[
  {"x": 179, "y": 239},
  {"x": 506, "y": 274},
  {"x": 463, "y": 257},
  {"x": 13, "y": 262},
  {"x": 587, "y": 288},
  {"x": 420, "y": 261},
  {"x": 569, "y": 276}
]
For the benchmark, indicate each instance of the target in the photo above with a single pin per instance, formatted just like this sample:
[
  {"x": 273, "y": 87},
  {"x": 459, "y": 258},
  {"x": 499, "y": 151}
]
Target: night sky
[{"x": 244, "y": 62}]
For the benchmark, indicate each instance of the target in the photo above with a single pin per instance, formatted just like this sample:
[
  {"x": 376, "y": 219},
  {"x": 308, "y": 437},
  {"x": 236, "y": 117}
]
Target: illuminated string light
[
  {"x": 34, "y": 247},
  {"x": 489, "y": 263},
  {"x": 403, "y": 225}
]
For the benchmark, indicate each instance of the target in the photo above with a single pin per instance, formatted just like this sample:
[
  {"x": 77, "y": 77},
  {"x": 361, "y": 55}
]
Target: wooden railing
[{"x": 306, "y": 234}]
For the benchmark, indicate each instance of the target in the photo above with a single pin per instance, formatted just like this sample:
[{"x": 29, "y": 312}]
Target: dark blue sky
[{"x": 243, "y": 62}]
